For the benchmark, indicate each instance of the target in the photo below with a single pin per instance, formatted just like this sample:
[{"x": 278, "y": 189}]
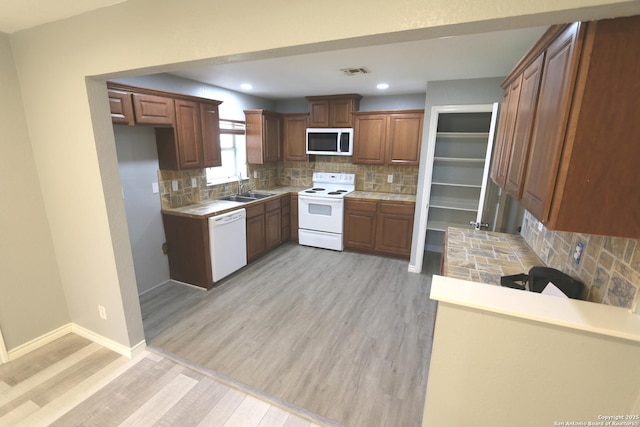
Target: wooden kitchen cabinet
[
  {"x": 256, "y": 232},
  {"x": 188, "y": 249},
  {"x": 187, "y": 127},
  {"x": 273, "y": 223},
  {"x": 380, "y": 227},
  {"x": 286, "y": 218},
  {"x": 360, "y": 224},
  {"x": 504, "y": 142},
  {"x": 388, "y": 137},
  {"x": 194, "y": 142},
  {"x": 153, "y": 110},
  {"x": 263, "y": 136},
  {"x": 580, "y": 168},
  {"x": 121, "y": 106},
  {"x": 333, "y": 111},
  {"x": 294, "y": 217},
  {"x": 294, "y": 137}
]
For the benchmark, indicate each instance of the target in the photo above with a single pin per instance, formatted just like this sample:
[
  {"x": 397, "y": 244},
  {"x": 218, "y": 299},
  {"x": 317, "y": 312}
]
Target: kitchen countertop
[
  {"x": 382, "y": 196},
  {"x": 216, "y": 207},
  {"x": 485, "y": 256}
]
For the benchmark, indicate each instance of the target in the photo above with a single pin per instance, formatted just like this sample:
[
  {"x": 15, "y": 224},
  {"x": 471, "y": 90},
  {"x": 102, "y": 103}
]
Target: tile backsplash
[
  {"x": 297, "y": 174},
  {"x": 609, "y": 266}
]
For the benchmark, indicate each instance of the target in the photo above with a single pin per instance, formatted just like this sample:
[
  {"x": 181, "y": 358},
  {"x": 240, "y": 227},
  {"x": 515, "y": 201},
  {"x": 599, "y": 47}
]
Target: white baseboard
[
  {"x": 154, "y": 287},
  {"x": 42, "y": 340},
  {"x": 36, "y": 343},
  {"x": 414, "y": 269}
]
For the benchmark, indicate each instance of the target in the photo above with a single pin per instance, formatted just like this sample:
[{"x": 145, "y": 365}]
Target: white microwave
[{"x": 330, "y": 141}]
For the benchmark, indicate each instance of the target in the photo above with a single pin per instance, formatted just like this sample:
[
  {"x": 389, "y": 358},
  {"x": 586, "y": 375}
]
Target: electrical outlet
[
  {"x": 103, "y": 312},
  {"x": 577, "y": 255},
  {"x": 539, "y": 226},
  {"x": 390, "y": 178},
  {"x": 174, "y": 185},
  {"x": 194, "y": 182},
  {"x": 255, "y": 174},
  {"x": 154, "y": 188}
]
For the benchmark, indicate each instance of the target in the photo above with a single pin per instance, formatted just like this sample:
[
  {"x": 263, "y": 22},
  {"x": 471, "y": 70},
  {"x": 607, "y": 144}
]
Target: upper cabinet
[
  {"x": 187, "y": 128},
  {"x": 569, "y": 150},
  {"x": 294, "y": 135},
  {"x": 334, "y": 111},
  {"x": 388, "y": 137},
  {"x": 264, "y": 136}
]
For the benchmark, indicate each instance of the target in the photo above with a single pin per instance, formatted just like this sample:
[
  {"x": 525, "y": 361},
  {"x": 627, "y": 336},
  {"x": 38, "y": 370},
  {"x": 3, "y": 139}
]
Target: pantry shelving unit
[{"x": 460, "y": 143}]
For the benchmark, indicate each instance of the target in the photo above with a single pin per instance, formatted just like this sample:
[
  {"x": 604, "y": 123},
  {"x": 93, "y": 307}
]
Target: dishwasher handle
[{"x": 228, "y": 217}]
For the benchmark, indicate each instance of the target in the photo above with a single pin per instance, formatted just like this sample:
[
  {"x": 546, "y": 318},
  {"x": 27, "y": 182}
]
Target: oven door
[{"x": 320, "y": 213}]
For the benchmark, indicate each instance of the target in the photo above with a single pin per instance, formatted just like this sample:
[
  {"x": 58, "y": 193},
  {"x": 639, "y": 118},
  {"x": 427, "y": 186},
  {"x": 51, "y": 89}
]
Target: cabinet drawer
[
  {"x": 361, "y": 205},
  {"x": 271, "y": 205},
  {"x": 255, "y": 210},
  {"x": 396, "y": 208}
]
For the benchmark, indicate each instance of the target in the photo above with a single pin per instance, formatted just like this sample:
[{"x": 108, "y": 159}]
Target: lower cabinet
[
  {"x": 187, "y": 242},
  {"x": 266, "y": 227},
  {"x": 294, "y": 217},
  {"x": 379, "y": 226}
]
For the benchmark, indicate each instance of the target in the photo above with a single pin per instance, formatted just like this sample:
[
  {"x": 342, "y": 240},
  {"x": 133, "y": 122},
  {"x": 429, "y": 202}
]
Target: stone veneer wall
[
  {"x": 610, "y": 266},
  {"x": 297, "y": 174}
]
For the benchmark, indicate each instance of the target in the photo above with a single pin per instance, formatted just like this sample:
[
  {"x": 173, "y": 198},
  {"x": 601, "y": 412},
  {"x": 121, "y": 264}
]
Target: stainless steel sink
[
  {"x": 255, "y": 194},
  {"x": 236, "y": 198}
]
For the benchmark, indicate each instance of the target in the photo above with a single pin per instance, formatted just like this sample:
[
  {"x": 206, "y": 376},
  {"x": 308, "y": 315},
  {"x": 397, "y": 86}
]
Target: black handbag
[{"x": 538, "y": 278}]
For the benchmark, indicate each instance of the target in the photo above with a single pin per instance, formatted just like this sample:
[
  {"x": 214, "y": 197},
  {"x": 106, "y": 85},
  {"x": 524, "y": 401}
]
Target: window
[{"x": 234, "y": 153}]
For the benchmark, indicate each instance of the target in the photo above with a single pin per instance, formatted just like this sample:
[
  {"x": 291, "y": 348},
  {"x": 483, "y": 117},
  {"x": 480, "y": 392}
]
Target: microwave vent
[{"x": 355, "y": 71}]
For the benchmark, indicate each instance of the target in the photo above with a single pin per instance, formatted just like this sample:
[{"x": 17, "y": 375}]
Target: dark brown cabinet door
[
  {"x": 369, "y": 139},
  {"x": 360, "y": 224},
  {"x": 189, "y": 134},
  {"x": 340, "y": 113},
  {"x": 188, "y": 250},
  {"x": 526, "y": 112},
  {"x": 273, "y": 224},
  {"x": 153, "y": 110},
  {"x": 256, "y": 244},
  {"x": 210, "y": 128},
  {"x": 509, "y": 109},
  {"x": 394, "y": 229},
  {"x": 294, "y": 137},
  {"x": 294, "y": 217},
  {"x": 550, "y": 124},
  {"x": 263, "y": 132},
  {"x": 286, "y": 218},
  {"x": 121, "y": 106},
  {"x": 404, "y": 138},
  {"x": 319, "y": 114}
]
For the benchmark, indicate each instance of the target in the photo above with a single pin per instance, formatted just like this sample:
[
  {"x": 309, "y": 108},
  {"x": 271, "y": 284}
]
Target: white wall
[
  {"x": 32, "y": 299},
  {"x": 68, "y": 114}
]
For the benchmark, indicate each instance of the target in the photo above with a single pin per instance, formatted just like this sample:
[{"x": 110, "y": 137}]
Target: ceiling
[
  {"x": 16, "y": 15},
  {"x": 406, "y": 67}
]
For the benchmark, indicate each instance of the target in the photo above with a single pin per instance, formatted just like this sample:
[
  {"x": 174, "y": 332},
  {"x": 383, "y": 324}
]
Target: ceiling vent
[{"x": 355, "y": 71}]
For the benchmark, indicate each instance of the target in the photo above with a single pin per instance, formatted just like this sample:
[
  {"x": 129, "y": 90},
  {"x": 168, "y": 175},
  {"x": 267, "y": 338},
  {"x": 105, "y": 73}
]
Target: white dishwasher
[{"x": 228, "y": 243}]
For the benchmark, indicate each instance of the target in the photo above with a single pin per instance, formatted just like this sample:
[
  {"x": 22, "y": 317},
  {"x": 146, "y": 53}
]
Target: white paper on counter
[{"x": 552, "y": 289}]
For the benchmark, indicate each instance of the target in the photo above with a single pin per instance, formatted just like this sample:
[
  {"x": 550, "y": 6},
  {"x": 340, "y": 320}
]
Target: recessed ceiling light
[
  {"x": 246, "y": 86},
  {"x": 382, "y": 86}
]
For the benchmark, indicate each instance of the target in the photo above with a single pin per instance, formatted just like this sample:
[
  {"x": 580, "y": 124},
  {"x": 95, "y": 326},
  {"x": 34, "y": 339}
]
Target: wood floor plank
[
  {"x": 19, "y": 370},
  {"x": 275, "y": 417},
  {"x": 47, "y": 373},
  {"x": 331, "y": 332},
  {"x": 221, "y": 412},
  {"x": 154, "y": 408},
  {"x": 248, "y": 413},
  {"x": 18, "y": 414},
  {"x": 294, "y": 421}
]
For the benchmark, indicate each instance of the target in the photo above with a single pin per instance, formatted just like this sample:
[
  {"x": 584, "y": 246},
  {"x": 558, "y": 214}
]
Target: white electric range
[{"x": 321, "y": 210}]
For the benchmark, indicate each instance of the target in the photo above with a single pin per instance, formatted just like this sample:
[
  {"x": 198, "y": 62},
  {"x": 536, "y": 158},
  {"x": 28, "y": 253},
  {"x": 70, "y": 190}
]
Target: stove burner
[
  {"x": 309, "y": 191},
  {"x": 334, "y": 193},
  {"x": 342, "y": 191},
  {"x": 318, "y": 189}
]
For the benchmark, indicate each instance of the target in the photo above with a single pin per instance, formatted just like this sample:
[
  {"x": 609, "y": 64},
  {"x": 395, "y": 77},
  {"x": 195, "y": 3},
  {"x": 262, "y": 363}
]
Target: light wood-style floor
[
  {"x": 343, "y": 335},
  {"x": 74, "y": 382}
]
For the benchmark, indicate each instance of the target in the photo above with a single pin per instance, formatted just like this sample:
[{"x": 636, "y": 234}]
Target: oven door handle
[{"x": 320, "y": 200}]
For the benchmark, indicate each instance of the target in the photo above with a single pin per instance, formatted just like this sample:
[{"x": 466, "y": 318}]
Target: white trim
[
  {"x": 155, "y": 287},
  {"x": 4, "y": 356},
  {"x": 422, "y": 210},
  {"x": 36, "y": 343},
  {"x": 107, "y": 342},
  {"x": 81, "y": 331}
]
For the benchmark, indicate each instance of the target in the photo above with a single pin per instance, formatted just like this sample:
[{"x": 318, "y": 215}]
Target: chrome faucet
[{"x": 240, "y": 184}]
